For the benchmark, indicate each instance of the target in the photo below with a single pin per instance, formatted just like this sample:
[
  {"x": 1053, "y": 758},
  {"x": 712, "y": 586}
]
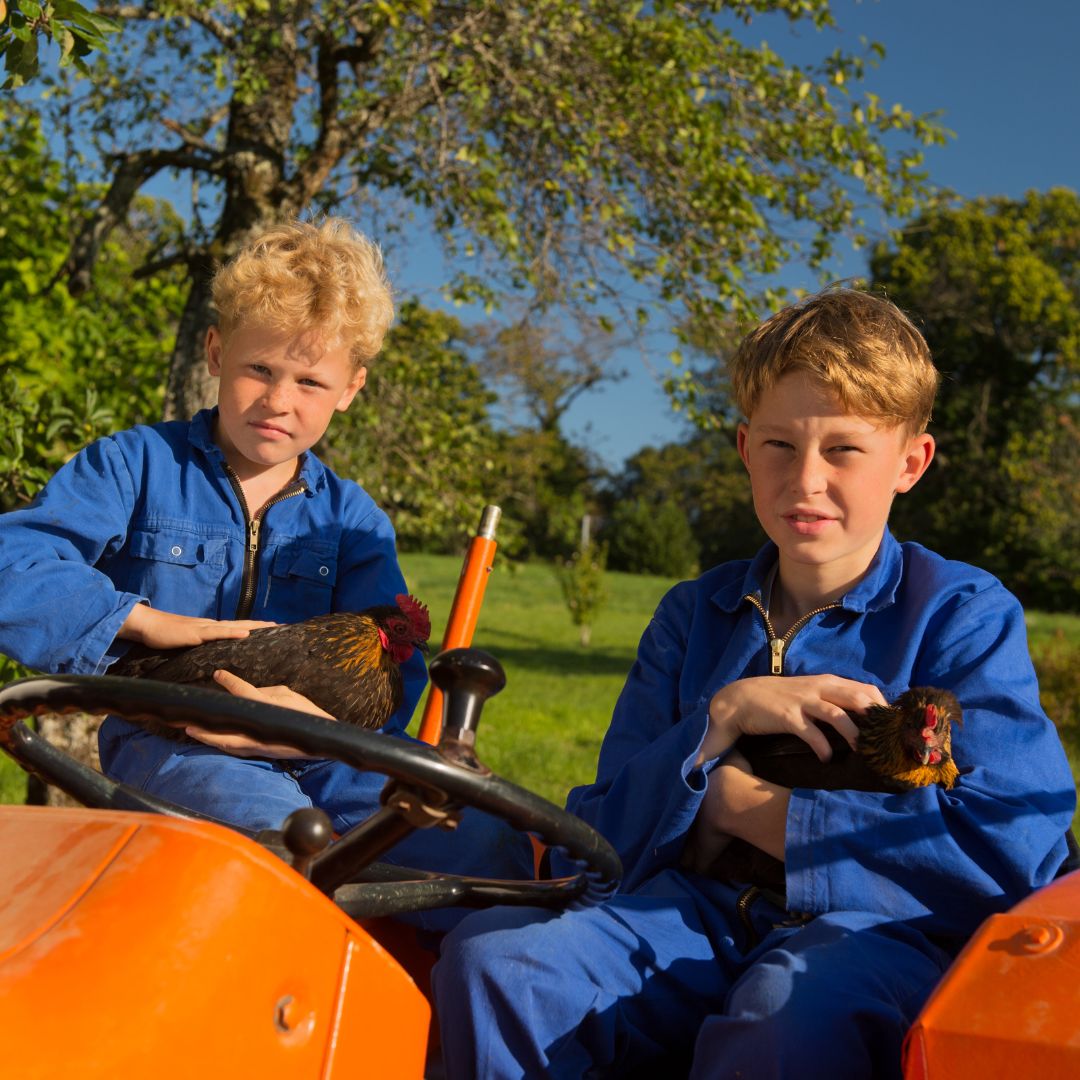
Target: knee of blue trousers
[
  {"x": 249, "y": 793},
  {"x": 832, "y": 1002},
  {"x": 484, "y": 964}
]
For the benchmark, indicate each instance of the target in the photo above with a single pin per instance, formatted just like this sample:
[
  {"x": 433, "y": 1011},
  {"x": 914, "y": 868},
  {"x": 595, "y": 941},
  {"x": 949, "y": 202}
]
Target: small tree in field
[{"x": 583, "y": 586}]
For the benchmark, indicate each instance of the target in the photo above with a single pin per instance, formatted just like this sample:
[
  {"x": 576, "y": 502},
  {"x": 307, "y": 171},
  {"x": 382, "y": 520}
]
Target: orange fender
[
  {"x": 139, "y": 945},
  {"x": 1010, "y": 1004}
]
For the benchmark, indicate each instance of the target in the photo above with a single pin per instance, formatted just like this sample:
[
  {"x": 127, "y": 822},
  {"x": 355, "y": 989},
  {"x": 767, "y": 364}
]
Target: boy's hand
[
  {"x": 786, "y": 703},
  {"x": 163, "y": 630},
  {"x": 244, "y": 745}
]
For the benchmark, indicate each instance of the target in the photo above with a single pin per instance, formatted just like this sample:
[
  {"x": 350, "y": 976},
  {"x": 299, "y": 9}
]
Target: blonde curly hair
[
  {"x": 861, "y": 346},
  {"x": 305, "y": 276}
]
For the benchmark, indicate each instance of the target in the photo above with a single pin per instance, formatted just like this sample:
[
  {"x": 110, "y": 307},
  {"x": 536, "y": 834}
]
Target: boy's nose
[
  {"x": 809, "y": 475},
  {"x": 276, "y": 396}
]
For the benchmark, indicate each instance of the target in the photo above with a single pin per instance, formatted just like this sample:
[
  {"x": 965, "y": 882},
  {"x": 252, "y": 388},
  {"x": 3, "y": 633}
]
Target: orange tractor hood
[{"x": 135, "y": 944}]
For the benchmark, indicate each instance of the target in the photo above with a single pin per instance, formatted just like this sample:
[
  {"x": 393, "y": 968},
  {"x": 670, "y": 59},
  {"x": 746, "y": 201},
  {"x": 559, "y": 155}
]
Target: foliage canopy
[
  {"x": 995, "y": 285},
  {"x": 580, "y": 150},
  {"x": 70, "y": 370}
]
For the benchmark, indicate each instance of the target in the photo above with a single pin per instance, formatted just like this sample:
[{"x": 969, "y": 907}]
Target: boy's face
[
  {"x": 278, "y": 392},
  {"x": 823, "y": 480}
]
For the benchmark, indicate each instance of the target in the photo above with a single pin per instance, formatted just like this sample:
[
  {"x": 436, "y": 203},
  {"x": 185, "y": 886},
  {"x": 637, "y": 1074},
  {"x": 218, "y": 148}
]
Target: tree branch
[
  {"x": 196, "y": 12},
  {"x": 185, "y": 257},
  {"x": 311, "y": 176},
  {"x": 131, "y": 172}
]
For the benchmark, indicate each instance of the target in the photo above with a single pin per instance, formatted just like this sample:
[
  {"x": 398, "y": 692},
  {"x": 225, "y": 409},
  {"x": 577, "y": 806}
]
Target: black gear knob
[
  {"x": 305, "y": 833},
  {"x": 466, "y": 678}
]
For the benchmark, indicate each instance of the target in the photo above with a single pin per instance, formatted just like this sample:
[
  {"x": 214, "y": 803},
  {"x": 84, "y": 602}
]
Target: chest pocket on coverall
[{"x": 301, "y": 582}]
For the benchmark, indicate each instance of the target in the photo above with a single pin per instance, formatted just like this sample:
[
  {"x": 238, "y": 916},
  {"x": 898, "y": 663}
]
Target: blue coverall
[
  {"x": 150, "y": 514},
  {"x": 664, "y": 973}
]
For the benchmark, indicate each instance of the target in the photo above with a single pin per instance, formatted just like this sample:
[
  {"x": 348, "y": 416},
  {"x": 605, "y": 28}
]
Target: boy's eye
[
  {"x": 310, "y": 382},
  {"x": 778, "y": 443},
  {"x": 843, "y": 449},
  {"x": 259, "y": 369}
]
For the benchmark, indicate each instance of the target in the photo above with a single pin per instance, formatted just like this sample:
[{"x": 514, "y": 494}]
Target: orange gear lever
[{"x": 464, "y": 611}]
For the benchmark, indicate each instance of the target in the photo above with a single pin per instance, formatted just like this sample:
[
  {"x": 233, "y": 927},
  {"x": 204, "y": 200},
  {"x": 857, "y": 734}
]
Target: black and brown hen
[
  {"x": 901, "y": 746},
  {"x": 348, "y": 663}
]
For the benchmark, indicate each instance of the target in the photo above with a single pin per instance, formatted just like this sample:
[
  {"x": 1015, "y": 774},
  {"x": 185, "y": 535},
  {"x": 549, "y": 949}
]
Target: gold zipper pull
[
  {"x": 253, "y": 534},
  {"x": 776, "y": 646}
]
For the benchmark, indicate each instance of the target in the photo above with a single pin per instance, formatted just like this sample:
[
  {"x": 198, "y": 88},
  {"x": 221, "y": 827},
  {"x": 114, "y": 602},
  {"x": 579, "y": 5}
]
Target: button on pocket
[{"x": 301, "y": 582}]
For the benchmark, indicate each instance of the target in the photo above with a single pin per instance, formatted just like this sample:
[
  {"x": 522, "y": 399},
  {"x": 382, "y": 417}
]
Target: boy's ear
[
  {"x": 742, "y": 436},
  {"x": 356, "y": 384},
  {"x": 213, "y": 346},
  {"x": 917, "y": 457}
]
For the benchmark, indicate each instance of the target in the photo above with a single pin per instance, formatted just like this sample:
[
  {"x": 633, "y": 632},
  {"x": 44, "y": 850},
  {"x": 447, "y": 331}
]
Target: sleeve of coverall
[
  {"x": 646, "y": 791},
  {"x": 947, "y": 859},
  {"x": 58, "y": 613}
]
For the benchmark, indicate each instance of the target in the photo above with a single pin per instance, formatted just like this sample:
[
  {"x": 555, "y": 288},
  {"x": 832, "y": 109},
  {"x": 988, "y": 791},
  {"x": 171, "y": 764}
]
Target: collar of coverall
[
  {"x": 875, "y": 591},
  {"x": 201, "y": 436}
]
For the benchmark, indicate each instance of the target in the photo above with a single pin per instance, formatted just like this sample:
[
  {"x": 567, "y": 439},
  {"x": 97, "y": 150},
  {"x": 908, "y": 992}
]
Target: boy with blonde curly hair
[
  {"x": 681, "y": 972},
  {"x": 182, "y": 532}
]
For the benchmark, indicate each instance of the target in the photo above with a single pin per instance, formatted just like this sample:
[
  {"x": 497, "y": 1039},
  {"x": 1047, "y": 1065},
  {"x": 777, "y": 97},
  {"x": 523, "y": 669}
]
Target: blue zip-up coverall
[
  {"x": 151, "y": 514},
  {"x": 665, "y": 971}
]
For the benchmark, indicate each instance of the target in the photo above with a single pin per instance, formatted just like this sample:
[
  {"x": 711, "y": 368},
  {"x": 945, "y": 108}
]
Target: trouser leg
[
  {"x": 616, "y": 990},
  {"x": 246, "y": 792},
  {"x": 832, "y": 1000}
]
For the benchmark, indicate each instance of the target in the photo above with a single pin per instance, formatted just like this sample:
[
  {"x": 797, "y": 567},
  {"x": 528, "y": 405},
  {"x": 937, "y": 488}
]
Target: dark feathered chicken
[
  {"x": 901, "y": 746},
  {"x": 346, "y": 663}
]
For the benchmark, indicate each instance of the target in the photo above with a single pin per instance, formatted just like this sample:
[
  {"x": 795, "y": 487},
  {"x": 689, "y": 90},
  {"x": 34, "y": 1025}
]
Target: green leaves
[
  {"x": 75, "y": 30},
  {"x": 73, "y": 369},
  {"x": 584, "y": 589},
  {"x": 418, "y": 437},
  {"x": 994, "y": 285}
]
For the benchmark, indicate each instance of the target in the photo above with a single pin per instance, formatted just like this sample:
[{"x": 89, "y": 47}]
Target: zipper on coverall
[
  {"x": 778, "y": 643},
  {"x": 252, "y": 524}
]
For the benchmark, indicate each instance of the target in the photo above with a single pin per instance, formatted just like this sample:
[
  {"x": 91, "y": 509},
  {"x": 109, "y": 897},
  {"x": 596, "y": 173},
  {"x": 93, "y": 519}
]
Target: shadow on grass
[{"x": 551, "y": 660}]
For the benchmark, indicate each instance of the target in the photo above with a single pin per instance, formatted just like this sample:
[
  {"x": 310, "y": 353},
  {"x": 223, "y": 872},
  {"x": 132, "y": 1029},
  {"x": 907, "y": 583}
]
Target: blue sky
[{"x": 1006, "y": 78}]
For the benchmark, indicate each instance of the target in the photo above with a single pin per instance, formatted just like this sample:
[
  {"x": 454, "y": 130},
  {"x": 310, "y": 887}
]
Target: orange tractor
[{"x": 138, "y": 939}]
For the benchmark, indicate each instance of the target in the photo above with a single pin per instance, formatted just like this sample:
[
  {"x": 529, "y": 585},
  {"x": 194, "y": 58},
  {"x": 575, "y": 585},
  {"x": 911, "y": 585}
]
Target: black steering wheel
[{"x": 428, "y": 785}]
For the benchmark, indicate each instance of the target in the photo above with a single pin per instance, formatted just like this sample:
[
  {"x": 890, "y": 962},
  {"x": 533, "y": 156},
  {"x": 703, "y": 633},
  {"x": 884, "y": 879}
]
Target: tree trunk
[
  {"x": 190, "y": 386},
  {"x": 256, "y": 195}
]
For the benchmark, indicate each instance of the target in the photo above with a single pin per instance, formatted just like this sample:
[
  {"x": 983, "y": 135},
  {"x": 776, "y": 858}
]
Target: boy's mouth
[
  {"x": 807, "y": 524},
  {"x": 268, "y": 429},
  {"x": 807, "y": 516}
]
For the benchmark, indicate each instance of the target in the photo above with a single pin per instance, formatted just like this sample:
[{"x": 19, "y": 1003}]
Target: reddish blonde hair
[
  {"x": 861, "y": 346},
  {"x": 303, "y": 276}
]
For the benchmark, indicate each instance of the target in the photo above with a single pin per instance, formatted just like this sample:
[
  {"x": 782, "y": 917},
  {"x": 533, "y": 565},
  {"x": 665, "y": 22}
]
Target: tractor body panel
[
  {"x": 1010, "y": 1003},
  {"x": 135, "y": 944}
]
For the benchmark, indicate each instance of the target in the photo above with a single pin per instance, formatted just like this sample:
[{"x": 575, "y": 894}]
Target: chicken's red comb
[{"x": 417, "y": 614}]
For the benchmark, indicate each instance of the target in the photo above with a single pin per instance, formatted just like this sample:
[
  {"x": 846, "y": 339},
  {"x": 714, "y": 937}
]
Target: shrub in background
[{"x": 646, "y": 537}]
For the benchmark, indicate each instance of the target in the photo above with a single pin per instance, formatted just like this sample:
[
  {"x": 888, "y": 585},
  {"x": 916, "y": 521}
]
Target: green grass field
[{"x": 543, "y": 731}]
